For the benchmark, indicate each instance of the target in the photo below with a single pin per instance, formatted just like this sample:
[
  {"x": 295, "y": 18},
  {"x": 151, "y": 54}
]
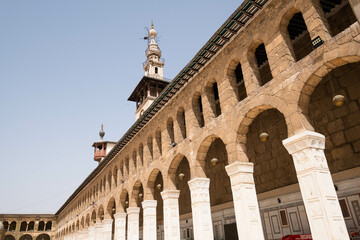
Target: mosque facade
[{"x": 258, "y": 137}]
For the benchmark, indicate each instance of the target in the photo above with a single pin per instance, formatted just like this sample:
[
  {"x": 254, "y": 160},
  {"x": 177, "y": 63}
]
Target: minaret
[
  {"x": 102, "y": 147},
  {"x": 154, "y": 65},
  {"x": 153, "y": 82}
]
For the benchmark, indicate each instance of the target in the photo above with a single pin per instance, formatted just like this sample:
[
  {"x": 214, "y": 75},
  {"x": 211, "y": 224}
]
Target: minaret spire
[{"x": 154, "y": 65}]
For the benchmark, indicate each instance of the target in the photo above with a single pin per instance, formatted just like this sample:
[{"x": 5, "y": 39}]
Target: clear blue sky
[{"x": 68, "y": 66}]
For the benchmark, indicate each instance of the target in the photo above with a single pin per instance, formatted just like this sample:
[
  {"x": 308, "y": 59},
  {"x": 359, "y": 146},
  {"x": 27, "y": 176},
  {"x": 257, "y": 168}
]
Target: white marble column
[
  {"x": 91, "y": 233},
  {"x": 246, "y": 206},
  {"x": 316, "y": 185},
  {"x": 98, "y": 231},
  {"x": 149, "y": 223},
  {"x": 107, "y": 228},
  {"x": 120, "y": 226},
  {"x": 133, "y": 223},
  {"x": 171, "y": 214},
  {"x": 201, "y": 209}
]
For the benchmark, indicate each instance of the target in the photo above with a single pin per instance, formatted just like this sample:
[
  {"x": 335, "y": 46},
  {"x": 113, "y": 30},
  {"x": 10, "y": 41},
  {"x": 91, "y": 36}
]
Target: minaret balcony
[{"x": 99, "y": 154}]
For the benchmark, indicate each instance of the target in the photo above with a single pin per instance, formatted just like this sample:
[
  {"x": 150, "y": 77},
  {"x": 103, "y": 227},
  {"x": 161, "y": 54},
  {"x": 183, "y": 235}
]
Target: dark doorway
[{"x": 231, "y": 231}]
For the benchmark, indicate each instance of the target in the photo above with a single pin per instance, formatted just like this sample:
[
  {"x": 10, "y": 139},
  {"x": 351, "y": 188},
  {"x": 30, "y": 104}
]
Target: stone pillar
[
  {"x": 91, "y": 233},
  {"x": 98, "y": 231},
  {"x": 201, "y": 209},
  {"x": 355, "y": 4},
  {"x": 247, "y": 213},
  {"x": 133, "y": 223},
  {"x": 149, "y": 223},
  {"x": 171, "y": 214},
  {"x": 316, "y": 185},
  {"x": 107, "y": 229},
  {"x": 120, "y": 226}
]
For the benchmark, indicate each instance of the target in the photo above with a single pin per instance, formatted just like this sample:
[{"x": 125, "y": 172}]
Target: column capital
[
  {"x": 304, "y": 140},
  {"x": 133, "y": 210},
  {"x": 199, "y": 183},
  {"x": 120, "y": 215},
  {"x": 170, "y": 194},
  {"x": 149, "y": 204},
  {"x": 239, "y": 167},
  {"x": 107, "y": 221}
]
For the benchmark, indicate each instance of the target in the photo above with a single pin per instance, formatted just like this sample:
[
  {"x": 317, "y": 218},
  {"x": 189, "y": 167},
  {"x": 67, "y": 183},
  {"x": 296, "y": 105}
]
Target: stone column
[
  {"x": 171, "y": 214},
  {"x": 316, "y": 185},
  {"x": 107, "y": 229},
  {"x": 120, "y": 226},
  {"x": 91, "y": 233},
  {"x": 149, "y": 223},
  {"x": 355, "y": 4},
  {"x": 247, "y": 214},
  {"x": 201, "y": 209},
  {"x": 133, "y": 223},
  {"x": 98, "y": 231}
]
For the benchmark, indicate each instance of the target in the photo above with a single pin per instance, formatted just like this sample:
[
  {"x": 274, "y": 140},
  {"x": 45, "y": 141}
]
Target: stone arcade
[{"x": 193, "y": 165}]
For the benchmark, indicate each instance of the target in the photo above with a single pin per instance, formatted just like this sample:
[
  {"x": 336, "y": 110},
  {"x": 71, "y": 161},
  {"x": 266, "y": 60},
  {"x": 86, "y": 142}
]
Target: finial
[
  {"x": 102, "y": 132},
  {"x": 152, "y": 24}
]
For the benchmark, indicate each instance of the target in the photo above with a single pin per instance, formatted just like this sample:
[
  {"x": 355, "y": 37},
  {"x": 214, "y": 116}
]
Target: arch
[
  {"x": 198, "y": 110},
  {"x": 111, "y": 207},
  {"x": 124, "y": 199},
  {"x": 12, "y": 226},
  {"x": 31, "y": 226},
  {"x": 153, "y": 189},
  {"x": 26, "y": 237},
  {"x": 150, "y": 184},
  {"x": 158, "y": 140},
  {"x": 87, "y": 221},
  {"x": 23, "y": 226},
  {"x": 150, "y": 146},
  {"x": 115, "y": 173},
  {"x": 93, "y": 217},
  {"x": 48, "y": 226},
  {"x": 236, "y": 78},
  {"x": 313, "y": 79},
  {"x": 109, "y": 184},
  {"x": 6, "y": 225},
  {"x": 212, "y": 94},
  {"x": 340, "y": 125},
  {"x": 141, "y": 154},
  {"x": 100, "y": 215},
  {"x": 181, "y": 120},
  {"x": 134, "y": 158},
  {"x": 43, "y": 237},
  {"x": 137, "y": 194},
  {"x": 339, "y": 15},
  {"x": 170, "y": 129},
  {"x": 9, "y": 237}
]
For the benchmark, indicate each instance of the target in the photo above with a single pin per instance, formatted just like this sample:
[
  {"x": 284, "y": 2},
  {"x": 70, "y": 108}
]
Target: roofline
[{"x": 174, "y": 86}]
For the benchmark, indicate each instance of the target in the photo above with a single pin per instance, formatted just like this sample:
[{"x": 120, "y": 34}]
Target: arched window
[
  {"x": 48, "y": 226},
  {"x": 41, "y": 226},
  {"x": 150, "y": 147},
  {"x": 241, "y": 90},
  {"x": 12, "y": 226},
  {"x": 181, "y": 122},
  {"x": 31, "y": 226},
  {"x": 170, "y": 130},
  {"x": 214, "y": 99},
  {"x": 339, "y": 15},
  {"x": 23, "y": 226},
  {"x": 198, "y": 110},
  {"x": 109, "y": 180},
  {"x": 6, "y": 225},
  {"x": 141, "y": 154},
  {"x": 299, "y": 36},
  {"x": 158, "y": 140},
  {"x": 263, "y": 64},
  {"x": 156, "y": 70}
]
